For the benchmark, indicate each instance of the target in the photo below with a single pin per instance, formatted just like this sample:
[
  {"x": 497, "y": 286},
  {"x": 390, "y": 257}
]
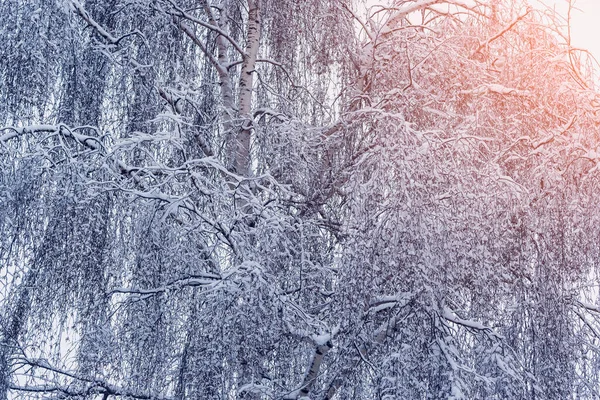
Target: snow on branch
[
  {"x": 91, "y": 142},
  {"x": 109, "y": 37},
  {"x": 180, "y": 12},
  {"x": 549, "y": 138},
  {"x": 88, "y": 141},
  {"x": 589, "y": 307},
  {"x": 502, "y": 31},
  {"x": 203, "y": 280},
  {"x": 409, "y": 7},
  {"x": 222, "y": 69},
  {"x": 497, "y": 89},
  {"x": 450, "y": 316},
  {"x": 87, "y": 18},
  {"x": 206, "y": 280},
  {"x": 94, "y": 385},
  {"x": 384, "y": 302}
]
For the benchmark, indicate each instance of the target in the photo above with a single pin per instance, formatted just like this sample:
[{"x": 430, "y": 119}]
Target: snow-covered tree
[{"x": 296, "y": 199}]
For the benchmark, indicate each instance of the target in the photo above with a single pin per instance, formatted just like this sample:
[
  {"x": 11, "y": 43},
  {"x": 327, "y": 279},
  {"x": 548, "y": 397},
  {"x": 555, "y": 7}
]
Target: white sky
[{"x": 585, "y": 23}]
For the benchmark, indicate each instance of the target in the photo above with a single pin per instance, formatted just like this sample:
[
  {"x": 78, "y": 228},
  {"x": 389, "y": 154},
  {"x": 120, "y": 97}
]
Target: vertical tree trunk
[
  {"x": 242, "y": 154},
  {"x": 313, "y": 370}
]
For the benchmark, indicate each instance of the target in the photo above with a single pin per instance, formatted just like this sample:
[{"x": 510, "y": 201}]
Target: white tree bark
[
  {"x": 242, "y": 154},
  {"x": 225, "y": 79},
  {"x": 313, "y": 371}
]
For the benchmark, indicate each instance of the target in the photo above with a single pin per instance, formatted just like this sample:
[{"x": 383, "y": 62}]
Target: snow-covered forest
[{"x": 297, "y": 199}]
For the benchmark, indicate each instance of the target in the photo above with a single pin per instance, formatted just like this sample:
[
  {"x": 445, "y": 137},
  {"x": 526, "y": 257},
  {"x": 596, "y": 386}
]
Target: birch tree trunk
[{"x": 243, "y": 137}]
